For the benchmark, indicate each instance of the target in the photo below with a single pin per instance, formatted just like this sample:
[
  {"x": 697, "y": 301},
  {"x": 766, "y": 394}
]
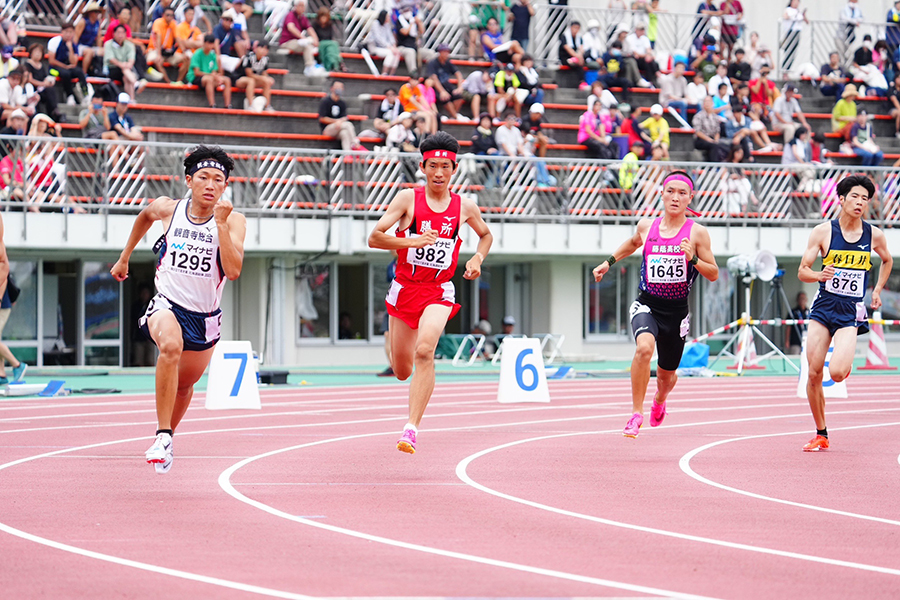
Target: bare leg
[
  {"x": 166, "y": 332},
  {"x": 817, "y": 342},
  {"x": 640, "y": 370},
  {"x": 190, "y": 369},
  {"x": 7, "y": 354},
  {"x": 665, "y": 383},
  {"x": 403, "y": 344},
  {"x": 431, "y": 325}
]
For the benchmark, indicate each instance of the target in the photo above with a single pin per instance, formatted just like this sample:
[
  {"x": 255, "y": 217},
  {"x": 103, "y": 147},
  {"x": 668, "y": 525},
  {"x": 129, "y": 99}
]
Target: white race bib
[
  {"x": 847, "y": 282},
  {"x": 666, "y": 268},
  {"x": 438, "y": 255}
]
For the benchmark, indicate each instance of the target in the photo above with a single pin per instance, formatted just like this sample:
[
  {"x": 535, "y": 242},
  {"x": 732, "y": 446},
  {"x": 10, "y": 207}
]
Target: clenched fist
[
  {"x": 425, "y": 239},
  {"x": 119, "y": 270},
  {"x": 221, "y": 211},
  {"x": 827, "y": 273},
  {"x": 600, "y": 271},
  {"x": 688, "y": 248}
]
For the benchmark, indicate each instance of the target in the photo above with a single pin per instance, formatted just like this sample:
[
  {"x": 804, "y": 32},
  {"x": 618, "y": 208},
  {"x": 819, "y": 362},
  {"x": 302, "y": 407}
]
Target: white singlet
[{"x": 188, "y": 270}]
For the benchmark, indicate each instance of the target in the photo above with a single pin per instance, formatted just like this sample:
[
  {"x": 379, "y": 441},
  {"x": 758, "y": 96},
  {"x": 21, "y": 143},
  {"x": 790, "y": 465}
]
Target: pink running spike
[
  {"x": 657, "y": 413},
  {"x": 634, "y": 424},
  {"x": 407, "y": 442}
]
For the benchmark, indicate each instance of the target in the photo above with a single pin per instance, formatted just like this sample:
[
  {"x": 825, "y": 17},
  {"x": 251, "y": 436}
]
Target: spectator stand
[{"x": 818, "y": 39}]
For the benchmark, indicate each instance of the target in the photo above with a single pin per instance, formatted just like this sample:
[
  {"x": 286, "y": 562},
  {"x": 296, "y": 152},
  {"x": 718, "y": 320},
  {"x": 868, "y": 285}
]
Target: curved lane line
[
  {"x": 685, "y": 464},
  {"x": 461, "y": 472}
]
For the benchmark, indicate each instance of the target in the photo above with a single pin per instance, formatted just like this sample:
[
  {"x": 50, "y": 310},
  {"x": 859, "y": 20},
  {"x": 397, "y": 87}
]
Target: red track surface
[{"x": 310, "y": 497}]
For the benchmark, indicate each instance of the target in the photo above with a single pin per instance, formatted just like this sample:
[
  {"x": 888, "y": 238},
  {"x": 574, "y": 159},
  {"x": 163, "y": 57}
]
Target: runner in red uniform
[{"x": 422, "y": 297}]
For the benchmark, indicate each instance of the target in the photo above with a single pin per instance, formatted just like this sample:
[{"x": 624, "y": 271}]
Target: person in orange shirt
[
  {"x": 163, "y": 44},
  {"x": 188, "y": 38},
  {"x": 412, "y": 99}
]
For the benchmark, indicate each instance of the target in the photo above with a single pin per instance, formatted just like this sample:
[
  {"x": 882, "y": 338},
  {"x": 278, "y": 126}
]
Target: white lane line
[
  {"x": 685, "y": 465},
  {"x": 461, "y": 472},
  {"x": 307, "y": 520}
]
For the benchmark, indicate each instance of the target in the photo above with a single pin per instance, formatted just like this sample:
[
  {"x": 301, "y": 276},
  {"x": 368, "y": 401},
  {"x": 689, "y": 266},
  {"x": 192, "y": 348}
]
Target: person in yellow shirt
[
  {"x": 658, "y": 128},
  {"x": 188, "y": 38},
  {"x": 163, "y": 44},
  {"x": 629, "y": 169}
]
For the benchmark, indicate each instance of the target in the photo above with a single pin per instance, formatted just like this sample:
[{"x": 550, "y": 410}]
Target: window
[
  {"x": 353, "y": 299},
  {"x": 606, "y": 303},
  {"x": 313, "y": 301}
]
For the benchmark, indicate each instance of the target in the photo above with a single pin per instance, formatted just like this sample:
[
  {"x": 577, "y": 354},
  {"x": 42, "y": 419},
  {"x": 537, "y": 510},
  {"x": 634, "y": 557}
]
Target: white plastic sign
[
  {"x": 831, "y": 388},
  {"x": 232, "y": 381},
  {"x": 522, "y": 375}
]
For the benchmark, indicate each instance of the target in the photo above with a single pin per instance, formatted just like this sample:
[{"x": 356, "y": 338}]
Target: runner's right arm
[
  {"x": 400, "y": 207},
  {"x": 158, "y": 210},
  {"x": 817, "y": 241},
  {"x": 626, "y": 249}
]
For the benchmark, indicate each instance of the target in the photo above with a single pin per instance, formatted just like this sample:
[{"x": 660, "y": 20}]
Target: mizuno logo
[{"x": 862, "y": 246}]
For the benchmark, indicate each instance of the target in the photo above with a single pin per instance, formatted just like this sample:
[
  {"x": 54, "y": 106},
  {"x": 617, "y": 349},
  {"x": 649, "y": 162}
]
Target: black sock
[
  {"x": 169, "y": 431},
  {"x": 822, "y": 432}
]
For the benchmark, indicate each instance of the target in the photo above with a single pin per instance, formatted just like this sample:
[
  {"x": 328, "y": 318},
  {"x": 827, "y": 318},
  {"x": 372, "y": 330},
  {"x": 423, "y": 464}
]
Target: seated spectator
[
  {"x": 834, "y": 77},
  {"x": 87, "y": 34},
  {"x": 629, "y": 169},
  {"x": 243, "y": 10},
  {"x": 632, "y": 127},
  {"x": 479, "y": 20},
  {"x": 695, "y": 92},
  {"x": 160, "y": 8},
  {"x": 602, "y": 95},
  {"x": 196, "y": 18},
  {"x": 478, "y": 88},
  {"x": 530, "y": 80},
  {"x": 401, "y": 135},
  {"x": 722, "y": 101},
  {"x": 864, "y": 68},
  {"x": 798, "y": 151},
  {"x": 8, "y": 64},
  {"x": 862, "y": 139},
  {"x": 382, "y": 42},
  {"x": 843, "y": 115},
  {"x": 762, "y": 90},
  {"x": 637, "y": 48},
  {"x": 707, "y": 133},
  {"x": 9, "y": 31},
  {"x": 12, "y": 171},
  {"x": 881, "y": 58},
  {"x": 37, "y": 73},
  {"x": 611, "y": 73},
  {"x": 189, "y": 39},
  {"x": 164, "y": 46},
  {"x": 297, "y": 35},
  {"x": 329, "y": 47},
  {"x": 613, "y": 121},
  {"x": 412, "y": 100},
  {"x": 140, "y": 61},
  {"x": 422, "y": 129},
  {"x": 483, "y": 142},
  {"x": 388, "y": 112},
  {"x": 658, "y": 129},
  {"x": 206, "y": 71},
  {"x": 94, "y": 122},
  {"x": 510, "y": 140},
  {"x": 442, "y": 72},
  {"x": 123, "y": 17},
  {"x": 761, "y": 57},
  {"x": 759, "y": 127},
  {"x": 707, "y": 62},
  {"x": 571, "y": 46},
  {"x": 592, "y": 134},
  {"x": 121, "y": 121},
  {"x": 738, "y": 132},
  {"x": 741, "y": 99},
  {"x": 535, "y": 137},
  {"x": 739, "y": 71},
  {"x": 506, "y": 85},
  {"x": 495, "y": 49},
  {"x": 15, "y": 95},
  {"x": 333, "y": 119},
  {"x": 62, "y": 54},
  {"x": 255, "y": 67},
  {"x": 894, "y": 99},
  {"x": 673, "y": 90},
  {"x": 719, "y": 78},
  {"x": 230, "y": 46},
  {"x": 593, "y": 43},
  {"x": 408, "y": 28},
  {"x": 785, "y": 110},
  {"x": 118, "y": 60}
]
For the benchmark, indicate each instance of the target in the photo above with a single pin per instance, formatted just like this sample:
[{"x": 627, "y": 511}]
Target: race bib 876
[{"x": 847, "y": 282}]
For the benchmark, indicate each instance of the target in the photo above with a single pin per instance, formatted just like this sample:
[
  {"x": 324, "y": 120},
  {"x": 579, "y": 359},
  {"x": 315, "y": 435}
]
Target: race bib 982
[
  {"x": 666, "y": 268},
  {"x": 438, "y": 255}
]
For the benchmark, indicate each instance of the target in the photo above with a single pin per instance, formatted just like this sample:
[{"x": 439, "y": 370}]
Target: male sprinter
[
  {"x": 422, "y": 297},
  {"x": 202, "y": 246},
  {"x": 838, "y": 311},
  {"x": 676, "y": 249}
]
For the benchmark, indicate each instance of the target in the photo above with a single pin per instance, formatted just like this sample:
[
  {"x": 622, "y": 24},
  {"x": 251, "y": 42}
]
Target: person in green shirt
[
  {"x": 843, "y": 115},
  {"x": 628, "y": 170},
  {"x": 205, "y": 66}
]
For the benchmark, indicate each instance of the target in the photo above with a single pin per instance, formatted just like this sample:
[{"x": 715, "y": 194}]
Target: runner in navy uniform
[
  {"x": 202, "y": 246},
  {"x": 838, "y": 311},
  {"x": 676, "y": 250}
]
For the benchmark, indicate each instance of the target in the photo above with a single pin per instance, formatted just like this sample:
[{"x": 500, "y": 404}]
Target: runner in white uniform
[{"x": 202, "y": 246}]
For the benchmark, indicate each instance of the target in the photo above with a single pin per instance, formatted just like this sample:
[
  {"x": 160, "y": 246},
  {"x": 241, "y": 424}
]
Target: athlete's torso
[
  {"x": 851, "y": 261},
  {"x": 435, "y": 263},
  {"x": 188, "y": 270},
  {"x": 665, "y": 273}
]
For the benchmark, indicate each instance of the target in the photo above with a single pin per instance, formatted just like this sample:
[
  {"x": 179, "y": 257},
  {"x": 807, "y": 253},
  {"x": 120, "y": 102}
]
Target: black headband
[{"x": 209, "y": 164}]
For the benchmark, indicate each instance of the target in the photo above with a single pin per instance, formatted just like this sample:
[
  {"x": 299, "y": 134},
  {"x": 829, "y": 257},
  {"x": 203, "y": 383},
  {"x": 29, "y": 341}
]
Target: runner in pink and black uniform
[{"x": 676, "y": 250}]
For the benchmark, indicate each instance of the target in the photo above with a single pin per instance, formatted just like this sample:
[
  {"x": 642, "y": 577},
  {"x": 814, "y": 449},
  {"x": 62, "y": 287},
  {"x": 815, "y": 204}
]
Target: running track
[{"x": 308, "y": 497}]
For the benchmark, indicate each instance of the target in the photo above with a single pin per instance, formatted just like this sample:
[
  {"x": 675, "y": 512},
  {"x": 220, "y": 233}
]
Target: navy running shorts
[
  {"x": 836, "y": 313},
  {"x": 668, "y": 322},
  {"x": 199, "y": 331}
]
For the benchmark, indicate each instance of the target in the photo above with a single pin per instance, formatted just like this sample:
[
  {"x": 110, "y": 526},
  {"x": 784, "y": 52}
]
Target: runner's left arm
[
  {"x": 702, "y": 248},
  {"x": 879, "y": 245},
  {"x": 473, "y": 217},
  {"x": 232, "y": 230}
]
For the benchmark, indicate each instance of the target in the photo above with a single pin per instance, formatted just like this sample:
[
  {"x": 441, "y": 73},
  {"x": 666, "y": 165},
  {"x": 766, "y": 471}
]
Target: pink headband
[
  {"x": 679, "y": 177},
  {"x": 439, "y": 154}
]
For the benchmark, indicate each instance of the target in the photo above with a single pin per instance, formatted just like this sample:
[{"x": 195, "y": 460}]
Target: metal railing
[
  {"x": 818, "y": 39},
  {"x": 99, "y": 176}
]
